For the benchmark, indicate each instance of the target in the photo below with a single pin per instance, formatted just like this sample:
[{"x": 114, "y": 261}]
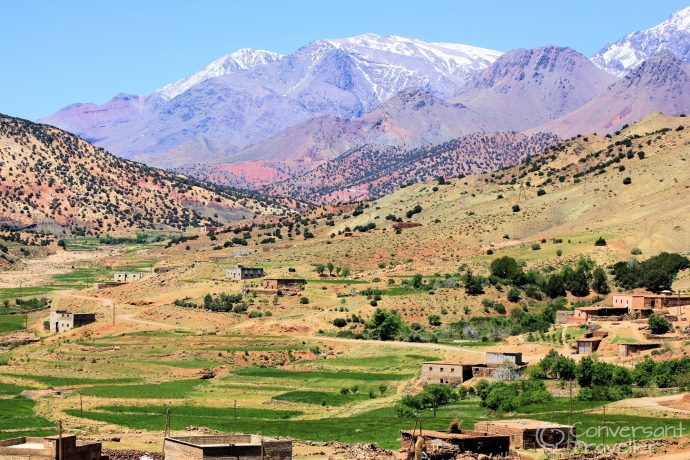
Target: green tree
[
  {"x": 473, "y": 284},
  {"x": 579, "y": 285},
  {"x": 345, "y": 272},
  {"x": 555, "y": 287},
  {"x": 505, "y": 267},
  {"x": 514, "y": 295},
  {"x": 600, "y": 283},
  {"x": 320, "y": 269},
  {"x": 385, "y": 325},
  {"x": 331, "y": 267}
]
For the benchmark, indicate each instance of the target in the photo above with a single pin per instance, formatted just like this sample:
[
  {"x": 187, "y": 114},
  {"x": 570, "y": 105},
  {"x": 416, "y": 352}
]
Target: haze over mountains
[{"x": 255, "y": 115}]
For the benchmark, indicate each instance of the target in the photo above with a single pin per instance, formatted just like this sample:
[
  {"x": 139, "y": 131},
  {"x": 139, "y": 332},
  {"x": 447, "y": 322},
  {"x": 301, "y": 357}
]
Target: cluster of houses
[
  {"x": 633, "y": 306},
  {"x": 269, "y": 285}
]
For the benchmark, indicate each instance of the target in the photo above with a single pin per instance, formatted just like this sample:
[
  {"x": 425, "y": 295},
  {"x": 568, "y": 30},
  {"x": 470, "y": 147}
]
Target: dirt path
[
  {"x": 397, "y": 344},
  {"x": 121, "y": 315},
  {"x": 662, "y": 403},
  {"x": 37, "y": 272}
]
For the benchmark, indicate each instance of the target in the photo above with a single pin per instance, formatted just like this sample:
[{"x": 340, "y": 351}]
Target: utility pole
[
  {"x": 60, "y": 440},
  {"x": 235, "y": 410},
  {"x": 603, "y": 426},
  {"x": 81, "y": 407}
]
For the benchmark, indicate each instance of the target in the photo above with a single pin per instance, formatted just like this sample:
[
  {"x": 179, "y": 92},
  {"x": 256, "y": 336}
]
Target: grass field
[
  {"x": 178, "y": 389},
  {"x": 321, "y": 398},
  {"x": 11, "y": 323},
  {"x": 18, "y": 419},
  {"x": 380, "y": 426}
]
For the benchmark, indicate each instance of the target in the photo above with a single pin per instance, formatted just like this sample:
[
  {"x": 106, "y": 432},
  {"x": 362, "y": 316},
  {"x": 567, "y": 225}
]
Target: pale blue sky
[{"x": 58, "y": 52}]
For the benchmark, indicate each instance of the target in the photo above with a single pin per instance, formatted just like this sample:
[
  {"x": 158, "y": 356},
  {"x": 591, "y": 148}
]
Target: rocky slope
[
  {"x": 55, "y": 180},
  {"x": 630, "y": 51},
  {"x": 660, "y": 84},
  {"x": 371, "y": 171},
  {"x": 525, "y": 88}
]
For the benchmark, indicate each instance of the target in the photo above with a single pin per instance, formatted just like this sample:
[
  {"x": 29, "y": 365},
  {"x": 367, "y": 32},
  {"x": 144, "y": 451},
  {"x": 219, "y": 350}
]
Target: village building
[
  {"x": 627, "y": 349},
  {"x": 242, "y": 252},
  {"x": 224, "y": 447},
  {"x": 240, "y": 272},
  {"x": 584, "y": 314},
  {"x": 63, "y": 321},
  {"x": 283, "y": 284},
  {"x": 531, "y": 434},
  {"x": 477, "y": 442},
  {"x": 453, "y": 373},
  {"x": 587, "y": 345},
  {"x": 563, "y": 316},
  {"x": 456, "y": 373},
  {"x": 65, "y": 447},
  {"x": 127, "y": 277},
  {"x": 642, "y": 305}
]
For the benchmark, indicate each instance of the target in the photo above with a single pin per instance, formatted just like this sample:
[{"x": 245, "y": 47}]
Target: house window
[
  {"x": 452, "y": 369},
  {"x": 441, "y": 369},
  {"x": 431, "y": 368}
]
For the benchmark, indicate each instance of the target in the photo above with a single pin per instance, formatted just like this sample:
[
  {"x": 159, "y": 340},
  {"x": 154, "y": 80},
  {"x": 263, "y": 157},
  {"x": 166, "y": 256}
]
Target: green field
[
  {"x": 18, "y": 419},
  {"x": 380, "y": 425},
  {"x": 321, "y": 398},
  {"x": 178, "y": 389},
  {"x": 11, "y": 323}
]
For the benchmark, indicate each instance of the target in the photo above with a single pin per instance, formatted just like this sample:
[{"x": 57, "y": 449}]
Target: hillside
[
  {"x": 55, "y": 180},
  {"x": 661, "y": 83},
  {"x": 372, "y": 171}
]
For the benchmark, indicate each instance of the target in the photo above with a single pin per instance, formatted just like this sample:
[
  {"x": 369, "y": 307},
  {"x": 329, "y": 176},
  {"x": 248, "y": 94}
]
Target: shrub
[
  {"x": 541, "y": 192},
  {"x": 658, "y": 324},
  {"x": 600, "y": 242},
  {"x": 636, "y": 251},
  {"x": 303, "y": 300},
  {"x": 536, "y": 246},
  {"x": 627, "y": 181},
  {"x": 340, "y": 322},
  {"x": 516, "y": 208},
  {"x": 514, "y": 295}
]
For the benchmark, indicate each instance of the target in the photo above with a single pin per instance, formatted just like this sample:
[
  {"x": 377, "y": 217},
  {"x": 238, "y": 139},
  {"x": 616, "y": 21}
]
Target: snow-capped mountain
[
  {"x": 242, "y": 59},
  {"x": 250, "y": 96},
  {"x": 671, "y": 35},
  {"x": 392, "y": 64}
]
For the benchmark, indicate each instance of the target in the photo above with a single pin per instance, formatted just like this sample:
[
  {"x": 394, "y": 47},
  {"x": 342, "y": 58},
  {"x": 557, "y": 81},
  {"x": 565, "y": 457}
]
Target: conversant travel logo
[{"x": 612, "y": 439}]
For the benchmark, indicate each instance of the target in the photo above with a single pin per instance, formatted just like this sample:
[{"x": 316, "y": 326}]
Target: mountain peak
[
  {"x": 672, "y": 35},
  {"x": 242, "y": 59}
]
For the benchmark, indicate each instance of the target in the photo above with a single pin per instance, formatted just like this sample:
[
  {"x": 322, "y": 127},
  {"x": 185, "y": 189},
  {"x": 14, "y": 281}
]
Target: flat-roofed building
[
  {"x": 627, "y": 349},
  {"x": 587, "y": 345},
  {"x": 475, "y": 441},
  {"x": 453, "y": 373},
  {"x": 67, "y": 447},
  {"x": 63, "y": 321},
  {"x": 283, "y": 284},
  {"x": 240, "y": 272},
  {"x": 127, "y": 277},
  {"x": 531, "y": 434},
  {"x": 226, "y": 447}
]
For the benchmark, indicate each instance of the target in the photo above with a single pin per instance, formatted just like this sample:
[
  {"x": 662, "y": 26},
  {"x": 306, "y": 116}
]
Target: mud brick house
[
  {"x": 593, "y": 313},
  {"x": 126, "y": 277},
  {"x": 477, "y": 441},
  {"x": 283, "y": 284},
  {"x": 531, "y": 434},
  {"x": 240, "y": 272},
  {"x": 496, "y": 360},
  {"x": 453, "y": 373},
  {"x": 627, "y": 349},
  {"x": 642, "y": 305},
  {"x": 62, "y": 321},
  {"x": 226, "y": 447},
  {"x": 50, "y": 448},
  {"x": 587, "y": 345}
]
